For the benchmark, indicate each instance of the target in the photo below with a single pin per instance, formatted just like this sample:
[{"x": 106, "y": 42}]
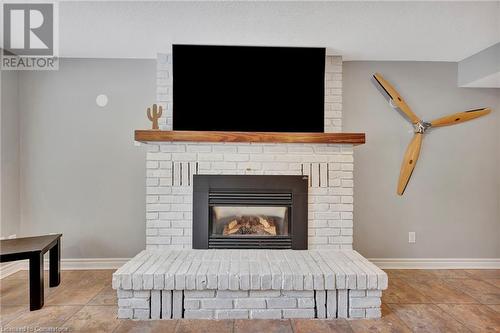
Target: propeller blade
[
  {"x": 460, "y": 117},
  {"x": 409, "y": 162},
  {"x": 396, "y": 98}
]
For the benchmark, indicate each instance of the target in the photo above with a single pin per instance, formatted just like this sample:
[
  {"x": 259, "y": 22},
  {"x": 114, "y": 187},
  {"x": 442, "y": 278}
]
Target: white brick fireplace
[
  {"x": 171, "y": 280},
  {"x": 170, "y": 168}
]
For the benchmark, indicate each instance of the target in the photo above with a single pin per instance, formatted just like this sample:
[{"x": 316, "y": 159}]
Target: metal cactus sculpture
[{"x": 157, "y": 111}]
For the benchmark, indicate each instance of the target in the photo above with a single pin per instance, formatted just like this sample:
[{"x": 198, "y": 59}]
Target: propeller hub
[{"x": 421, "y": 127}]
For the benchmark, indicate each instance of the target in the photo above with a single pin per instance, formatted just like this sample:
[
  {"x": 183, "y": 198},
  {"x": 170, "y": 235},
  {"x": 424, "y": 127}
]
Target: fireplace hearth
[{"x": 250, "y": 212}]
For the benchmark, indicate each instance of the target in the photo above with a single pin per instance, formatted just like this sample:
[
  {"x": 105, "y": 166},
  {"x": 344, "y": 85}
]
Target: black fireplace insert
[{"x": 249, "y": 212}]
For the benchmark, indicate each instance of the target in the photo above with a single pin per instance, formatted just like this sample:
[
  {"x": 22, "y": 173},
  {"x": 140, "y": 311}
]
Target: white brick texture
[
  {"x": 169, "y": 190},
  {"x": 170, "y": 167},
  {"x": 327, "y": 284},
  {"x": 267, "y": 304},
  {"x": 212, "y": 304}
]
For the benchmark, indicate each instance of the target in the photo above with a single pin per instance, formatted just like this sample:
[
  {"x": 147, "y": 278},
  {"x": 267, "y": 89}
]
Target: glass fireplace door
[{"x": 249, "y": 221}]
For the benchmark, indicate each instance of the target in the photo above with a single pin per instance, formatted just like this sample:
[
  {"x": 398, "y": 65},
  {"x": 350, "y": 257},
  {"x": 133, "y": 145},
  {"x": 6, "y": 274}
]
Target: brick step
[
  {"x": 249, "y": 270},
  {"x": 171, "y": 284},
  {"x": 261, "y": 304}
]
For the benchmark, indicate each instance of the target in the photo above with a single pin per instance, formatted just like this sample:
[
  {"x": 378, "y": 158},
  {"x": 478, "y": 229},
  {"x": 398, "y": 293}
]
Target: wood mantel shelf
[{"x": 262, "y": 137}]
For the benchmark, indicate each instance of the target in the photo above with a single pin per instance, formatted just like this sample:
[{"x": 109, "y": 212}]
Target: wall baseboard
[
  {"x": 384, "y": 263},
  {"x": 9, "y": 268},
  {"x": 437, "y": 263},
  {"x": 91, "y": 263},
  {"x": 66, "y": 264}
]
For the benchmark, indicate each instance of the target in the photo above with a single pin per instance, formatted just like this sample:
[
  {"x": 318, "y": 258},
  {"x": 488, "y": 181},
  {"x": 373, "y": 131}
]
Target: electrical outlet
[{"x": 411, "y": 237}]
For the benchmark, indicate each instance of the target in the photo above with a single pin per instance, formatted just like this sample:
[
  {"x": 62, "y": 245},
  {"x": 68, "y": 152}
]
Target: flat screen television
[{"x": 249, "y": 89}]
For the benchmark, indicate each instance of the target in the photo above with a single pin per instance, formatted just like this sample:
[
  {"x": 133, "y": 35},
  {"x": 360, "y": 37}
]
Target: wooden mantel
[{"x": 263, "y": 137}]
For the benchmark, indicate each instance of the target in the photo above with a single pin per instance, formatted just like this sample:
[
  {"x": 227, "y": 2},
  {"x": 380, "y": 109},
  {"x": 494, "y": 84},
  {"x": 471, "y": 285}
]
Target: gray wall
[
  {"x": 81, "y": 174},
  {"x": 9, "y": 152},
  {"x": 453, "y": 199}
]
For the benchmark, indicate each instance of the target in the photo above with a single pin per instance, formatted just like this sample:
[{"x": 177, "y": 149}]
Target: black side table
[{"x": 33, "y": 249}]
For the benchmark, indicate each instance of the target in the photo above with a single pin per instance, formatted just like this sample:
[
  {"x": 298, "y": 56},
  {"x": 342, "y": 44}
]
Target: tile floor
[{"x": 416, "y": 301}]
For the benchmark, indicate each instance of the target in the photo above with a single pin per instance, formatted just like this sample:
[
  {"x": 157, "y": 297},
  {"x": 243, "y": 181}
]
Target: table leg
[
  {"x": 36, "y": 281},
  {"x": 55, "y": 264}
]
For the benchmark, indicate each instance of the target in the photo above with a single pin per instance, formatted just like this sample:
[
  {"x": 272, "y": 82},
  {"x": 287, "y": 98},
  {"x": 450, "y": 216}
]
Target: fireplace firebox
[{"x": 250, "y": 212}]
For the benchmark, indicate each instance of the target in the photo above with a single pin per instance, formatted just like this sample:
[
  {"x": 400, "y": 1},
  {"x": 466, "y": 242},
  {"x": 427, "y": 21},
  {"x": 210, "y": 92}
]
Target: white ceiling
[{"x": 425, "y": 31}]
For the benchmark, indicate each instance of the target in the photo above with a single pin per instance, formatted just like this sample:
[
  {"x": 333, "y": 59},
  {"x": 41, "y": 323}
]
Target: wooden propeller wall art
[{"x": 420, "y": 127}]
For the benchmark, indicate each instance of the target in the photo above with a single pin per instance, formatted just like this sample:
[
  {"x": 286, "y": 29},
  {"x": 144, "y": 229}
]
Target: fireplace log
[
  {"x": 271, "y": 230},
  {"x": 229, "y": 231},
  {"x": 250, "y": 225},
  {"x": 264, "y": 222},
  {"x": 232, "y": 224},
  {"x": 232, "y": 227}
]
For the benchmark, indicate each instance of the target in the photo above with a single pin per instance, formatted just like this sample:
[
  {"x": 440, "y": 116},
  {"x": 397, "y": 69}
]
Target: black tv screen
[{"x": 250, "y": 89}]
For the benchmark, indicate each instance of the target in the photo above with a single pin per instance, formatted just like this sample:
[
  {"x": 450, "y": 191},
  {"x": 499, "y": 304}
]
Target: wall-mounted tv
[{"x": 247, "y": 88}]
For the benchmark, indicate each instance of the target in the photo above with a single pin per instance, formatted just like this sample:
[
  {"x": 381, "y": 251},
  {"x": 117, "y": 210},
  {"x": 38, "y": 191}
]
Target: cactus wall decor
[{"x": 157, "y": 111}]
